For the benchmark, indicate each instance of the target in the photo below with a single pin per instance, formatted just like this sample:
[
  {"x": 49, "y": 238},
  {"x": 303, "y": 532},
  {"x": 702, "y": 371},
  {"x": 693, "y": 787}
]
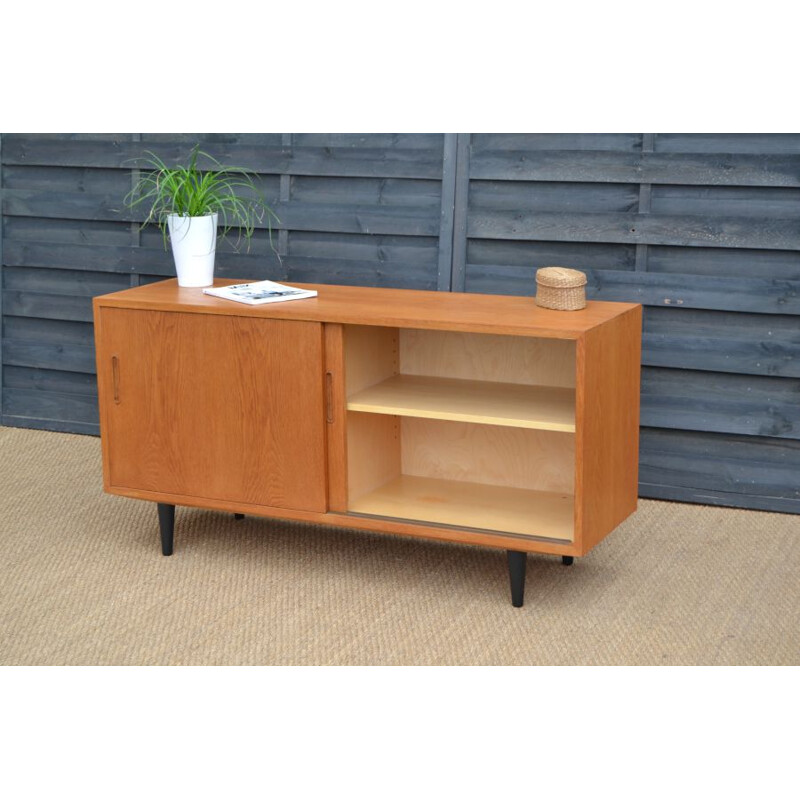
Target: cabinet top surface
[{"x": 403, "y": 308}]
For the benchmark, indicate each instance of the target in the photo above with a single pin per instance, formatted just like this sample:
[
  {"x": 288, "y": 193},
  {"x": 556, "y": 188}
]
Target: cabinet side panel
[
  {"x": 373, "y": 452},
  {"x": 371, "y": 356},
  {"x": 607, "y": 422}
]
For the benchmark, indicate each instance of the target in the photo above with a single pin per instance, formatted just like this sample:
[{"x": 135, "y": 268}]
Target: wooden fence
[{"x": 703, "y": 229}]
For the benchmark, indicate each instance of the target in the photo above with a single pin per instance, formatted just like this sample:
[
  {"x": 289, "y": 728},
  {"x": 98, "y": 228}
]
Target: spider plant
[{"x": 190, "y": 191}]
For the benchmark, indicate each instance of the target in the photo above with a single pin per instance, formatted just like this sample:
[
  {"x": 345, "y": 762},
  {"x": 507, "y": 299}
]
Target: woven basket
[{"x": 560, "y": 288}]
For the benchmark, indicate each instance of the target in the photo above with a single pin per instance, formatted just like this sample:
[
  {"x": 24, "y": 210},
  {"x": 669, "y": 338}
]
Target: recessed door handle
[
  {"x": 329, "y": 397},
  {"x": 115, "y": 376}
]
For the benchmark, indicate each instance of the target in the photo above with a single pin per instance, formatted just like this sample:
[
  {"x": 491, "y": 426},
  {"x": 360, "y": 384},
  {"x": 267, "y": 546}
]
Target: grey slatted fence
[{"x": 703, "y": 229}]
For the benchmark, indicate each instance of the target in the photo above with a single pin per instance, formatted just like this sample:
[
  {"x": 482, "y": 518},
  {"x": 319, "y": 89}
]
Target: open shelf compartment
[{"x": 463, "y": 429}]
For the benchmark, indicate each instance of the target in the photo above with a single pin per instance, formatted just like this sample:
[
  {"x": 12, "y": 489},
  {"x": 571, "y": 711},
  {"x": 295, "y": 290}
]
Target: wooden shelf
[
  {"x": 488, "y": 403},
  {"x": 472, "y": 505}
]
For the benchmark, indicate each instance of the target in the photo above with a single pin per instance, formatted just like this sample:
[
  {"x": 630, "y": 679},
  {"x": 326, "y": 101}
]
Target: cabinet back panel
[
  {"x": 488, "y": 357},
  {"x": 490, "y": 454}
]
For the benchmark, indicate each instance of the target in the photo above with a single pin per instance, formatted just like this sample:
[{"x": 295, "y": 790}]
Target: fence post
[{"x": 460, "y": 213}]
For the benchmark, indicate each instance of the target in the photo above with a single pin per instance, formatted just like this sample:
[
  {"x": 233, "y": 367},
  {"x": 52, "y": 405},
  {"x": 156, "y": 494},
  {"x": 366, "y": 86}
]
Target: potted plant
[{"x": 198, "y": 206}]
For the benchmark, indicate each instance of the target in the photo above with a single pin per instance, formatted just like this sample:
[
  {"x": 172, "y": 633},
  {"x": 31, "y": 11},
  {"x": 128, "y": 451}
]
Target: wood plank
[
  {"x": 724, "y": 403},
  {"x": 485, "y": 403},
  {"x": 384, "y": 162},
  {"x": 752, "y": 202},
  {"x": 756, "y": 143},
  {"x": 68, "y": 357},
  {"x": 63, "y": 282},
  {"x": 645, "y": 197},
  {"x": 59, "y": 425},
  {"x": 37, "y": 404},
  {"x": 698, "y": 169},
  {"x": 721, "y": 341},
  {"x": 401, "y": 220},
  {"x": 531, "y": 255},
  {"x": 471, "y": 505},
  {"x": 389, "y": 141},
  {"x": 557, "y": 141},
  {"x": 390, "y": 192},
  {"x": 49, "y": 380},
  {"x": 699, "y": 462},
  {"x": 460, "y": 212},
  {"x": 344, "y": 272},
  {"x": 47, "y": 306},
  {"x": 33, "y": 330},
  {"x": 337, "y": 246},
  {"x": 400, "y": 308},
  {"x": 677, "y": 229},
  {"x": 66, "y": 231},
  {"x": 756, "y": 295},
  {"x": 712, "y": 497},
  {"x": 512, "y": 197},
  {"x": 112, "y": 182},
  {"x": 444, "y": 281},
  {"x": 725, "y": 262},
  {"x": 259, "y": 265}
]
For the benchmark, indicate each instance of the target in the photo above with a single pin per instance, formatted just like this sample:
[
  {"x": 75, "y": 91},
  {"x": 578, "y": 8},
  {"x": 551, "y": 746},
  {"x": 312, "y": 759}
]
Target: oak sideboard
[{"x": 478, "y": 419}]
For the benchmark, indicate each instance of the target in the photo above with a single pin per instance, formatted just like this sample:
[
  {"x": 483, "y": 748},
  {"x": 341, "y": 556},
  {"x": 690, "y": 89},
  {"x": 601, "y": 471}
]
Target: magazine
[{"x": 260, "y": 292}]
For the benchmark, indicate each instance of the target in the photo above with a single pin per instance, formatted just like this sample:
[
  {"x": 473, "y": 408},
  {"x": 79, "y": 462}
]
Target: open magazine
[{"x": 260, "y": 292}]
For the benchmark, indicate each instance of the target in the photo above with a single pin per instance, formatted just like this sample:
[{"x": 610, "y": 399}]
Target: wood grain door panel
[{"x": 220, "y": 407}]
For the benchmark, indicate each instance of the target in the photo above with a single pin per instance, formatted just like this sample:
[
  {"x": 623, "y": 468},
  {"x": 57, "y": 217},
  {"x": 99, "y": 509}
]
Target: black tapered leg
[
  {"x": 238, "y": 516},
  {"x": 516, "y": 571},
  {"x": 166, "y": 521},
  {"x": 567, "y": 560}
]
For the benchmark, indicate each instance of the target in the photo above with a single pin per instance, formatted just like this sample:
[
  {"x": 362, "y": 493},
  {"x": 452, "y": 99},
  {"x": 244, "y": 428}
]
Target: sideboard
[{"x": 470, "y": 418}]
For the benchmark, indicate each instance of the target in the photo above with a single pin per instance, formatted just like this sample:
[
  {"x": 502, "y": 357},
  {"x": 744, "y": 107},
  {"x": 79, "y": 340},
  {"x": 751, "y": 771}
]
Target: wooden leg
[
  {"x": 238, "y": 516},
  {"x": 166, "y": 521},
  {"x": 516, "y": 571},
  {"x": 567, "y": 560}
]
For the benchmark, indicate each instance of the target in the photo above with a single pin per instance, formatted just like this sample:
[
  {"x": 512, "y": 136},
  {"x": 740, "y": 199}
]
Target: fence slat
[
  {"x": 722, "y": 403},
  {"x": 405, "y": 220},
  {"x": 720, "y": 468},
  {"x": 756, "y": 295},
  {"x": 769, "y": 234},
  {"x": 713, "y": 169},
  {"x": 66, "y": 357},
  {"x": 323, "y": 161}
]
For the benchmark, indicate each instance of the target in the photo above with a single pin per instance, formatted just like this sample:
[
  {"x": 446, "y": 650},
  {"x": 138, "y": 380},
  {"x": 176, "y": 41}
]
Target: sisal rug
[{"x": 82, "y": 582}]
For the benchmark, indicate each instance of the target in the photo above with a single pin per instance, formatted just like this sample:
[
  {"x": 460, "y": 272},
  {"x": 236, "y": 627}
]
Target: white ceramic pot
[{"x": 194, "y": 244}]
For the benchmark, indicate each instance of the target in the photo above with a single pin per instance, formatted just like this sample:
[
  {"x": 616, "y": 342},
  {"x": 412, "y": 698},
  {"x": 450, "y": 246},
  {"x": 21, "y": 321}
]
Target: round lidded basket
[{"x": 560, "y": 288}]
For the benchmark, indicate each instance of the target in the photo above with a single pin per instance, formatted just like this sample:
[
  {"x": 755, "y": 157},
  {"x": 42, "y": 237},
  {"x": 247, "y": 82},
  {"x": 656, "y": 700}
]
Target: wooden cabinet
[{"x": 469, "y": 418}]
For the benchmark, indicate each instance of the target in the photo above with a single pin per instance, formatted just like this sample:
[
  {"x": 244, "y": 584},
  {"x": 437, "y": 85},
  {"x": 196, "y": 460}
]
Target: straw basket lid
[{"x": 560, "y": 277}]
